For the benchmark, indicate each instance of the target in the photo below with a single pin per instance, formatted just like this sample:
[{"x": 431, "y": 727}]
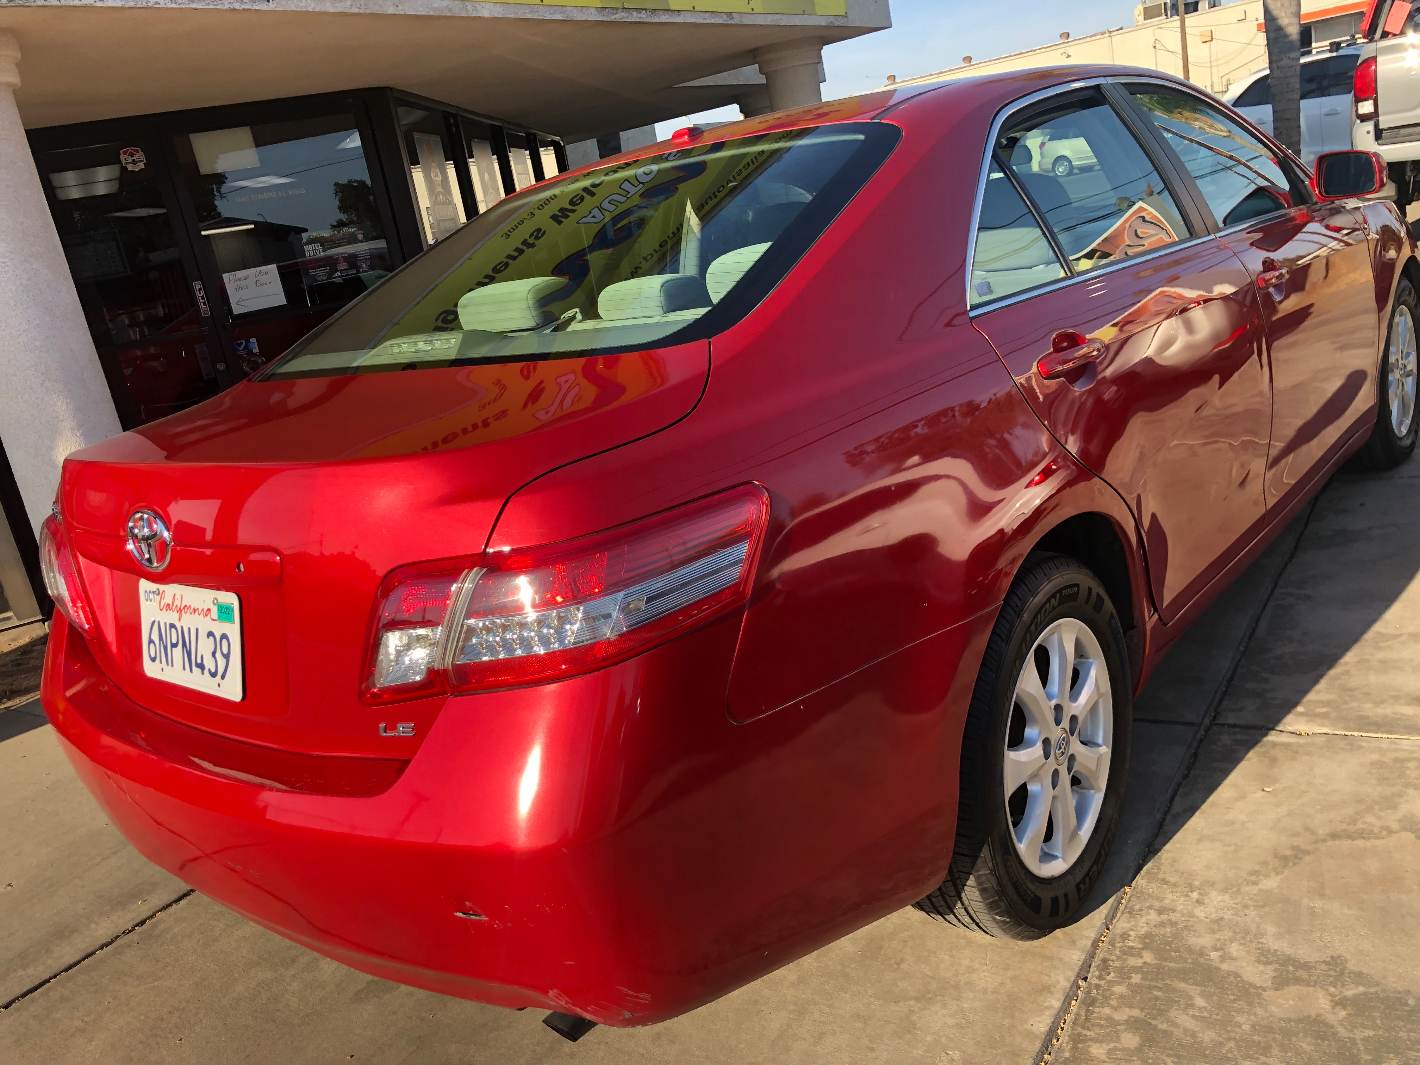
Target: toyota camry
[{"x": 703, "y": 554}]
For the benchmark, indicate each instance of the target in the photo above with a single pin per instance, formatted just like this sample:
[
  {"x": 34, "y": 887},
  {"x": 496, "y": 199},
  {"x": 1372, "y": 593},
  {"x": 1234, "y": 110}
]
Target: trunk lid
[{"x": 299, "y": 496}]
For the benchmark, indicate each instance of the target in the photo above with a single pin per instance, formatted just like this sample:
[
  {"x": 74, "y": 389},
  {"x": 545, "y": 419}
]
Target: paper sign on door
[{"x": 253, "y": 289}]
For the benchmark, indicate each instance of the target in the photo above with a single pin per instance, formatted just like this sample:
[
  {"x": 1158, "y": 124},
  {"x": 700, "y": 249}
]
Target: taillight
[
  {"x": 61, "y": 575},
  {"x": 521, "y": 617},
  {"x": 1363, "y": 88}
]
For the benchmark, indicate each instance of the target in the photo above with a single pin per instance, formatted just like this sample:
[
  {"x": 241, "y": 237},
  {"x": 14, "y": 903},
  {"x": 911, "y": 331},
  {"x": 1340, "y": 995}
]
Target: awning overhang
[{"x": 568, "y": 71}]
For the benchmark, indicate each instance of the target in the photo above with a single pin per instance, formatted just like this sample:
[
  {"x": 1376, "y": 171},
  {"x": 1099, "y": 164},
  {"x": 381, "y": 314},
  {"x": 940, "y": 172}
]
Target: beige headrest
[
  {"x": 509, "y": 306},
  {"x": 726, "y": 271},
  {"x": 652, "y": 297}
]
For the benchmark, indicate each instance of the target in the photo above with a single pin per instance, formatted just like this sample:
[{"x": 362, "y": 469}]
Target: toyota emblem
[{"x": 149, "y": 541}]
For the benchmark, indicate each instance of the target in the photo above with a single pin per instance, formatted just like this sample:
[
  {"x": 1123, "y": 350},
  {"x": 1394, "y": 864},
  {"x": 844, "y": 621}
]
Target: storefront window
[
  {"x": 288, "y": 212},
  {"x": 522, "y": 162},
  {"x": 482, "y": 165},
  {"x": 123, "y": 251},
  {"x": 431, "y": 173},
  {"x": 549, "y": 162}
]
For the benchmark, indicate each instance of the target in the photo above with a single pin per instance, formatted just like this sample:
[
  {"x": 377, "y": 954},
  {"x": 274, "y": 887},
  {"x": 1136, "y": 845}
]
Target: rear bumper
[
  {"x": 612, "y": 845},
  {"x": 1398, "y": 147}
]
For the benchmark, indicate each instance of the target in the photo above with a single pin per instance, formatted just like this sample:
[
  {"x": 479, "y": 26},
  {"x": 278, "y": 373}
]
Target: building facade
[
  {"x": 1225, "y": 42},
  {"x": 189, "y": 186}
]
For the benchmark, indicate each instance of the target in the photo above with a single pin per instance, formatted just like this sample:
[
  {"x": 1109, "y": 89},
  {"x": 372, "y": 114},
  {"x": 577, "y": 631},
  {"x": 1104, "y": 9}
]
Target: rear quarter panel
[{"x": 899, "y": 456}]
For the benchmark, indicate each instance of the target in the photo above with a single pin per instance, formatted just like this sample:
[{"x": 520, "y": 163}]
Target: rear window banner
[{"x": 614, "y": 226}]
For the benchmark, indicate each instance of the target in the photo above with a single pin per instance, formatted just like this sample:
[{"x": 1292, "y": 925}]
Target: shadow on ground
[{"x": 1333, "y": 586}]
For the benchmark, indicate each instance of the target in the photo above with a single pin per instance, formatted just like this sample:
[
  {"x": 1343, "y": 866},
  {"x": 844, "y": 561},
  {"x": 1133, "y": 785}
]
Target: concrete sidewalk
[
  {"x": 1279, "y": 917},
  {"x": 104, "y": 958}
]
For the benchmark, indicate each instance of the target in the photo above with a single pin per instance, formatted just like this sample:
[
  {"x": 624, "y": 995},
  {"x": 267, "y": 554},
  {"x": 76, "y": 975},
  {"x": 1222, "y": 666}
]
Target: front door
[
  {"x": 1169, "y": 400},
  {"x": 1311, "y": 263},
  {"x": 136, "y": 277}
]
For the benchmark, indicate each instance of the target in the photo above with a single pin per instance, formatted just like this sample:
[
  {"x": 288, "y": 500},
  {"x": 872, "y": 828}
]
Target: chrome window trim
[
  {"x": 1011, "y": 109},
  {"x": 1109, "y": 268}
]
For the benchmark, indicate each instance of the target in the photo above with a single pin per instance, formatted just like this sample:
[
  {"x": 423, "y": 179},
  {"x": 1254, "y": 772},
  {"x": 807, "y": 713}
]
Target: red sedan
[{"x": 699, "y": 556}]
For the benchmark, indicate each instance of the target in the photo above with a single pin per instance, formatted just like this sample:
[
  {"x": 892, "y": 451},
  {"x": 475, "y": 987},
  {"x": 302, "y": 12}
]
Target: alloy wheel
[
  {"x": 1058, "y": 747},
  {"x": 1401, "y": 366}
]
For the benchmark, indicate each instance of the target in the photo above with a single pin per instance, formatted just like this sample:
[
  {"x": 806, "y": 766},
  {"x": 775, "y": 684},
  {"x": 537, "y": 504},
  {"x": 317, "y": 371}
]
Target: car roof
[{"x": 992, "y": 89}]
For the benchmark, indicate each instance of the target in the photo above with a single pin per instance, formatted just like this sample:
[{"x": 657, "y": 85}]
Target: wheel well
[
  {"x": 1411, "y": 272},
  {"x": 1091, "y": 539}
]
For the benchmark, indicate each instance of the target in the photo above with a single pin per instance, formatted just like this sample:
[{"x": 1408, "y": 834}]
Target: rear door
[
  {"x": 1397, "y": 75},
  {"x": 1312, "y": 265},
  {"x": 1169, "y": 402}
]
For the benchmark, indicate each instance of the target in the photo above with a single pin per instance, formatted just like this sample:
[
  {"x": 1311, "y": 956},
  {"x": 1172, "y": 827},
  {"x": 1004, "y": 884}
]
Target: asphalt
[{"x": 1259, "y": 905}]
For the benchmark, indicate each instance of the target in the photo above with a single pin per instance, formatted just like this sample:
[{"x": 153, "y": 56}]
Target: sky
[{"x": 931, "y": 35}]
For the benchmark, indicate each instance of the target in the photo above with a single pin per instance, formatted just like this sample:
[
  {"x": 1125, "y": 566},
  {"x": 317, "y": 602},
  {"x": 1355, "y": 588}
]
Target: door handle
[
  {"x": 1273, "y": 278},
  {"x": 1069, "y": 350},
  {"x": 1332, "y": 111}
]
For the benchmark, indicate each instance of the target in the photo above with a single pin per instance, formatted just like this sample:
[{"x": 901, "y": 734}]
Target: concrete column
[
  {"x": 582, "y": 153},
  {"x": 791, "y": 73},
  {"x": 53, "y": 397},
  {"x": 755, "y": 102}
]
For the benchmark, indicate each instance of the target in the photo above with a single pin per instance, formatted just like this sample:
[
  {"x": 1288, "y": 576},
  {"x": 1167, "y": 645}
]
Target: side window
[
  {"x": 1238, "y": 175},
  {"x": 1096, "y": 189},
  {"x": 1313, "y": 80},
  {"x": 1256, "y": 94},
  {"x": 1340, "y": 74},
  {"x": 1012, "y": 254}
]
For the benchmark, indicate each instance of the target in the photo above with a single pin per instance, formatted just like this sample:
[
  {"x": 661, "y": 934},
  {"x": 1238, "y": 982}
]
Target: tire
[
  {"x": 1393, "y": 438},
  {"x": 1062, "y": 167},
  {"x": 989, "y": 884}
]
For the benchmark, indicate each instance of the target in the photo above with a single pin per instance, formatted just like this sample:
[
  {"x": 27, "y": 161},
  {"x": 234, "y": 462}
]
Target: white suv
[{"x": 1326, "y": 100}]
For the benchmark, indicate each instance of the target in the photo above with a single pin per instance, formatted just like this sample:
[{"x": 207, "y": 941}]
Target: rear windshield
[{"x": 661, "y": 250}]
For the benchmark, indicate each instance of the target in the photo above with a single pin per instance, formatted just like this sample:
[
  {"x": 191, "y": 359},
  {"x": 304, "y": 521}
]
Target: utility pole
[{"x": 1183, "y": 37}]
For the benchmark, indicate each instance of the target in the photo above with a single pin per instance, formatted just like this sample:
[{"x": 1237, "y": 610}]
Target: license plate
[{"x": 192, "y": 637}]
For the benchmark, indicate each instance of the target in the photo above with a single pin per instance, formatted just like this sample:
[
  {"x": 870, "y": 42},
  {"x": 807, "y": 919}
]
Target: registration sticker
[{"x": 192, "y": 637}]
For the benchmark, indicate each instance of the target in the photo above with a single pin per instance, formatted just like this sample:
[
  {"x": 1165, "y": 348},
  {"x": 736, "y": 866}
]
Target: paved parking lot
[{"x": 1260, "y": 904}]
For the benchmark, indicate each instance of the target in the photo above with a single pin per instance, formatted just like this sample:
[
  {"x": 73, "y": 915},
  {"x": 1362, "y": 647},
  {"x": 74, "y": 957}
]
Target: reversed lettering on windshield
[{"x": 632, "y": 186}]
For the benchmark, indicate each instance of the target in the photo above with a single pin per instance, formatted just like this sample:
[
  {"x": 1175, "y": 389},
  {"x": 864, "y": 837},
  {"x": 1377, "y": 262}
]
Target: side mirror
[{"x": 1345, "y": 175}]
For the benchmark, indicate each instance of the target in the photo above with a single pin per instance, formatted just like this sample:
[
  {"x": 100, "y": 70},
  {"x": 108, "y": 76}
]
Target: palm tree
[{"x": 1283, "y": 19}]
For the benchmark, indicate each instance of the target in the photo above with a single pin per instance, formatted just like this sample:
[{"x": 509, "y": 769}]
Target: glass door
[
  {"x": 288, "y": 226},
  {"x": 135, "y": 275}
]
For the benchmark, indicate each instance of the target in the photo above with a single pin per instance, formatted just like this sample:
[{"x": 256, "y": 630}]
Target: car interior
[
  {"x": 730, "y": 242},
  {"x": 1084, "y": 210}
]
